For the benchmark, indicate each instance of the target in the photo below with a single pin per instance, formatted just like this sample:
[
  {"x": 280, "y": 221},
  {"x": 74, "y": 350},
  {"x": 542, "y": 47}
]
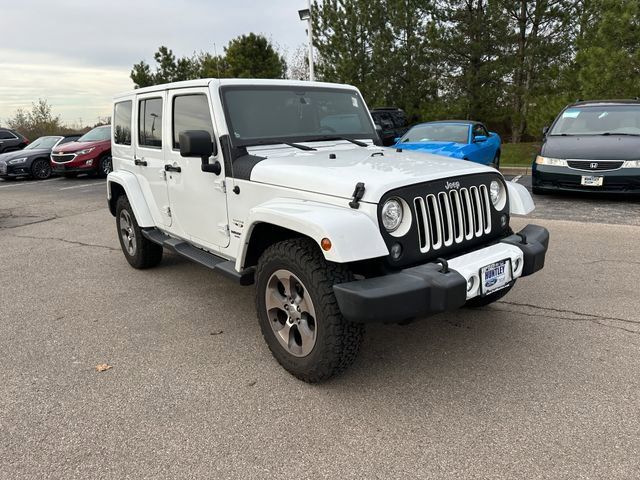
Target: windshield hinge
[
  {"x": 358, "y": 193},
  {"x": 223, "y": 228},
  {"x": 221, "y": 185}
]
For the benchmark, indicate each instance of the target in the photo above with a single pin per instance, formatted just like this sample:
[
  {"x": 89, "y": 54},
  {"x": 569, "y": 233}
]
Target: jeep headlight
[
  {"x": 17, "y": 160},
  {"x": 631, "y": 164},
  {"x": 498, "y": 194},
  {"x": 554, "y": 162},
  {"x": 392, "y": 213}
]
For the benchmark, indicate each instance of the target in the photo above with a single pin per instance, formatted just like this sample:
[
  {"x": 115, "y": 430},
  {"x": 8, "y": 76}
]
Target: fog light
[
  {"x": 396, "y": 251},
  {"x": 89, "y": 162},
  {"x": 470, "y": 284},
  {"x": 503, "y": 220}
]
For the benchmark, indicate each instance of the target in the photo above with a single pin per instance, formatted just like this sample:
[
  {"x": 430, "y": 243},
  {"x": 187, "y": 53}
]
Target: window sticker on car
[
  {"x": 571, "y": 113},
  {"x": 354, "y": 102}
]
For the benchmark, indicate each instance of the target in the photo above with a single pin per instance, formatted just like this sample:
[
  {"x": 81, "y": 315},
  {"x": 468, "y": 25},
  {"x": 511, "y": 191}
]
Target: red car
[{"x": 91, "y": 153}]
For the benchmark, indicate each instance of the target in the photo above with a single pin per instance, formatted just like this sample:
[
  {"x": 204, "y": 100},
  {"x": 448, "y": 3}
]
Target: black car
[
  {"x": 11, "y": 140},
  {"x": 592, "y": 146},
  {"x": 392, "y": 123},
  {"x": 34, "y": 160}
]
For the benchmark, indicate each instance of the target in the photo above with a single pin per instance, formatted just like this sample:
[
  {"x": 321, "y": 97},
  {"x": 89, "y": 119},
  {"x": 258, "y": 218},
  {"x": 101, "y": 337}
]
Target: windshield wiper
[
  {"x": 621, "y": 133},
  {"x": 301, "y": 147},
  {"x": 337, "y": 137}
]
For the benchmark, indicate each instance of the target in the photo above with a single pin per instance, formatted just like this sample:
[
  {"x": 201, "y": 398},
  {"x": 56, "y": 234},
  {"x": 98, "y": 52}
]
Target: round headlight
[
  {"x": 495, "y": 191},
  {"x": 392, "y": 214}
]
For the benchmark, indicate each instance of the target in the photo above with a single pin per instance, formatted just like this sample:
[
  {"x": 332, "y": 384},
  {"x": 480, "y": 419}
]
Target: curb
[{"x": 515, "y": 170}]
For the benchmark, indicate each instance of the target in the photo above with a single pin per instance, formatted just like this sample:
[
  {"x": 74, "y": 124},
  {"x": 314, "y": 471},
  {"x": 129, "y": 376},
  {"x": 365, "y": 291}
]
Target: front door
[
  {"x": 198, "y": 199},
  {"x": 149, "y": 158}
]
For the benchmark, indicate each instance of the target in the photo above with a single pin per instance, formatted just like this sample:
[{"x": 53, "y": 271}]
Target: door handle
[
  {"x": 140, "y": 161},
  {"x": 171, "y": 168}
]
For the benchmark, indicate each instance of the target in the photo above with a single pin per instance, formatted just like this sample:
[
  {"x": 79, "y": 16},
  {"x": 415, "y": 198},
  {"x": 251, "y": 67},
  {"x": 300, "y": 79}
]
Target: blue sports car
[{"x": 462, "y": 139}]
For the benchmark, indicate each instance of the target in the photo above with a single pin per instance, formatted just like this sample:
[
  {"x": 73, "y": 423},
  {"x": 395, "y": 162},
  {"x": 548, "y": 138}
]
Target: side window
[
  {"x": 150, "y": 123},
  {"x": 122, "y": 123},
  {"x": 190, "y": 112},
  {"x": 480, "y": 130},
  {"x": 6, "y": 135}
]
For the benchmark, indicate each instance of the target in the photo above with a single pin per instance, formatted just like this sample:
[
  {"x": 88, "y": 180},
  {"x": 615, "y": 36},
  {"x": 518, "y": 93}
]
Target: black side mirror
[
  {"x": 545, "y": 130},
  {"x": 198, "y": 143}
]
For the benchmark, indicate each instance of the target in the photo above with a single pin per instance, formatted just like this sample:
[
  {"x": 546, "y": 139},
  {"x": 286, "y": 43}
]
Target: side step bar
[{"x": 208, "y": 259}]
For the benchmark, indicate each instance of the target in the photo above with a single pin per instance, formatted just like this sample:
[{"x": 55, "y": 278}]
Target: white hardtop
[
  {"x": 316, "y": 172},
  {"x": 219, "y": 82}
]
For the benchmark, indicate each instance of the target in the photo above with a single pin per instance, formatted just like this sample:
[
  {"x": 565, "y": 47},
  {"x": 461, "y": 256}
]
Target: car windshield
[
  {"x": 96, "y": 135},
  {"x": 282, "y": 114},
  {"x": 43, "y": 142},
  {"x": 599, "y": 120},
  {"x": 437, "y": 132}
]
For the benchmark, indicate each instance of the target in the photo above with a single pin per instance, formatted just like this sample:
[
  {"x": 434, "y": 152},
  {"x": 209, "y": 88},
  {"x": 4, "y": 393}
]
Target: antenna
[{"x": 215, "y": 55}]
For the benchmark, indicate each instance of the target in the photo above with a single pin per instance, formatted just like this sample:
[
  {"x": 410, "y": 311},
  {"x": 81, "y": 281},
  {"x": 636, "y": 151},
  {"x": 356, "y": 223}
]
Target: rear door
[
  {"x": 149, "y": 157},
  {"x": 198, "y": 199}
]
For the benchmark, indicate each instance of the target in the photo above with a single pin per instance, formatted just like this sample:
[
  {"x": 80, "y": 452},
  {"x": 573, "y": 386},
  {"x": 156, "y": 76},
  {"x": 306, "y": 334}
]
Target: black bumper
[
  {"x": 61, "y": 169},
  {"x": 551, "y": 178},
  {"x": 425, "y": 290}
]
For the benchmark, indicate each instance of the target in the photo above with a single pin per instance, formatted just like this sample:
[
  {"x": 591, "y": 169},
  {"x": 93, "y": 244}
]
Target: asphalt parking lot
[{"x": 543, "y": 384}]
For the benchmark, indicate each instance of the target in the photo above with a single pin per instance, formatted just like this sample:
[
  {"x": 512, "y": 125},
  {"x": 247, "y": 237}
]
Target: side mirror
[
  {"x": 396, "y": 140},
  {"x": 480, "y": 138},
  {"x": 545, "y": 130},
  {"x": 197, "y": 143}
]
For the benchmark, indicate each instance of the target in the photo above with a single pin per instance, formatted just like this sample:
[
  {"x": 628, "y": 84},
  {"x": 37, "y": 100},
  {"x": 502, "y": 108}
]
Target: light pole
[{"x": 305, "y": 14}]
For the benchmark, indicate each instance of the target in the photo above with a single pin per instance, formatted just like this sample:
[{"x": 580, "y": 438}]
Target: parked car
[
  {"x": 592, "y": 146},
  {"x": 33, "y": 160},
  {"x": 463, "y": 139},
  {"x": 91, "y": 153},
  {"x": 11, "y": 140},
  {"x": 392, "y": 122},
  {"x": 335, "y": 231}
]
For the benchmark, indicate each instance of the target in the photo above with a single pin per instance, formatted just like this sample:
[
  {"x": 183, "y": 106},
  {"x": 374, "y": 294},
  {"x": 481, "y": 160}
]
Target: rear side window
[
  {"x": 6, "y": 135},
  {"x": 122, "y": 123},
  {"x": 150, "y": 122},
  {"x": 190, "y": 112}
]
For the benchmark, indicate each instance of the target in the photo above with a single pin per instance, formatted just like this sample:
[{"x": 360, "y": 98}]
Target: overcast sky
[{"x": 77, "y": 54}]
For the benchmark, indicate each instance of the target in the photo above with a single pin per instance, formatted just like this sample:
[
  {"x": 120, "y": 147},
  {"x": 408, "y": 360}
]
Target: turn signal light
[{"x": 325, "y": 243}]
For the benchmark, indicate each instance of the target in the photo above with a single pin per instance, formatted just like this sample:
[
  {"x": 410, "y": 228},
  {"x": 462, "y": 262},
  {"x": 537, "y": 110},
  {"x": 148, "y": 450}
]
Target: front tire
[
  {"x": 140, "y": 252},
  {"x": 105, "y": 166},
  {"x": 298, "y": 312},
  {"x": 41, "y": 169}
]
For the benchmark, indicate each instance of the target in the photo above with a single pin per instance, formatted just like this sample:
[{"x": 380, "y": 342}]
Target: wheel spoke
[
  {"x": 284, "y": 332},
  {"x": 307, "y": 336},
  {"x": 274, "y": 299}
]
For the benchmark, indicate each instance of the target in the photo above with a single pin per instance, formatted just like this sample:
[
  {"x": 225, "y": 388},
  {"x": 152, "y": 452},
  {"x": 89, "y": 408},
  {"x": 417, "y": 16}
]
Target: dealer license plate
[
  {"x": 590, "y": 181},
  {"x": 495, "y": 276}
]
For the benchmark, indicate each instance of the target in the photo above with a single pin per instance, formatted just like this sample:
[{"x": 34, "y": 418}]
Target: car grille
[
  {"x": 452, "y": 217},
  {"x": 62, "y": 158},
  {"x": 595, "y": 165}
]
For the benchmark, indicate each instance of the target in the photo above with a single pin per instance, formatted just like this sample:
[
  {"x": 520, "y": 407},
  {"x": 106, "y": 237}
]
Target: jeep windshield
[
  {"x": 263, "y": 115},
  {"x": 599, "y": 120}
]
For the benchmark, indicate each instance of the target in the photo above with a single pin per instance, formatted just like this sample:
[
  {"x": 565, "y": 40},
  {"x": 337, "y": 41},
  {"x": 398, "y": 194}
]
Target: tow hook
[{"x": 445, "y": 265}]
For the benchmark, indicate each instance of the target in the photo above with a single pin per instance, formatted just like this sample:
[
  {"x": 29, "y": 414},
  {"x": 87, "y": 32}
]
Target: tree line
[{"x": 510, "y": 63}]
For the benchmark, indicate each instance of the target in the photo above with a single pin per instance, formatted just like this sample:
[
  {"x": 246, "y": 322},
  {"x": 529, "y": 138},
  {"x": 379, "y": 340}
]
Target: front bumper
[
  {"x": 552, "y": 178},
  {"x": 62, "y": 168},
  {"x": 19, "y": 170},
  {"x": 425, "y": 290}
]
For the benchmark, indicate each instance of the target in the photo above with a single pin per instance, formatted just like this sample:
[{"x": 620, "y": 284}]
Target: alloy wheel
[{"x": 127, "y": 232}]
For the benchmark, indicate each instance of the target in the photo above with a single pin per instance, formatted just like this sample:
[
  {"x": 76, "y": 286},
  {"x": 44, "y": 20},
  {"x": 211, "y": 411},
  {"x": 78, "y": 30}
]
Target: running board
[{"x": 208, "y": 259}]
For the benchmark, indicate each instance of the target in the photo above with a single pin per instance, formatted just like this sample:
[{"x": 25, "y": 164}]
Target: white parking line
[
  {"x": 83, "y": 185},
  {"x": 31, "y": 182},
  {"x": 515, "y": 179}
]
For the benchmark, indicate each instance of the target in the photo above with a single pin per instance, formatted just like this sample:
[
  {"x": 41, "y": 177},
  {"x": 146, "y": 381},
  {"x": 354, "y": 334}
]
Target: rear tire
[
  {"x": 301, "y": 321},
  {"x": 140, "y": 252},
  {"x": 40, "y": 169},
  {"x": 478, "y": 302}
]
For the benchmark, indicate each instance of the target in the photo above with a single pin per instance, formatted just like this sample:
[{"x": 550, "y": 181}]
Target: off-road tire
[
  {"x": 337, "y": 340},
  {"x": 478, "y": 302},
  {"x": 147, "y": 254},
  {"x": 41, "y": 169}
]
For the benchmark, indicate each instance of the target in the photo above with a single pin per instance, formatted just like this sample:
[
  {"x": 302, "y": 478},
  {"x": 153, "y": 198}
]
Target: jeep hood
[{"x": 380, "y": 169}]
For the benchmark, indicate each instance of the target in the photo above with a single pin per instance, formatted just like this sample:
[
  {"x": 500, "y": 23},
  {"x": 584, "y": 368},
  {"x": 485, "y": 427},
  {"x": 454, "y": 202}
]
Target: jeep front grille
[{"x": 452, "y": 217}]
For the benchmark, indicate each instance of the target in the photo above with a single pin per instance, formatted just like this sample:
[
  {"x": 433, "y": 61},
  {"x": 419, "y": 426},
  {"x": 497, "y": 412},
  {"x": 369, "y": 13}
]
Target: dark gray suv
[{"x": 11, "y": 140}]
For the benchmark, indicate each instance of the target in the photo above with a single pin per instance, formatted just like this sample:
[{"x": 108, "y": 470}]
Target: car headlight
[
  {"x": 631, "y": 164},
  {"x": 392, "y": 213},
  {"x": 555, "y": 162},
  {"x": 498, "y": 194},
  {"x": 85, "y": 151},
  {"x": 17, "y": 160}
]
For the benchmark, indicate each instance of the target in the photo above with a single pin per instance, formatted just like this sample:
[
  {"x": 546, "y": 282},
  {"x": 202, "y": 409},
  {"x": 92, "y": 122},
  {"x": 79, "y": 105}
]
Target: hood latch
[{"x": 358, "y": 193}]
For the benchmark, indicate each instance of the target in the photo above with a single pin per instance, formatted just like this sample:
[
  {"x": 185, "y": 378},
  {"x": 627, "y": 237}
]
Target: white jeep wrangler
[{"x": 284, "y": 184}]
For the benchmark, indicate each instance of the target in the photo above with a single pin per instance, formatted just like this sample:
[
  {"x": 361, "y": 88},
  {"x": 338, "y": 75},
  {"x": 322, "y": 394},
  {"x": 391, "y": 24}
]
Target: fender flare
[
  {"x": 131, "y": 187},
  {"x": 520, "y": 200},
  {"x": 354, "y": 235}
]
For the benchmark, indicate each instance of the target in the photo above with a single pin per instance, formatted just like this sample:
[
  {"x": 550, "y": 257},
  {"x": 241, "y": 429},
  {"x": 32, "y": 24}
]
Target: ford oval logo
[{"x": 450, "y": 185}]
